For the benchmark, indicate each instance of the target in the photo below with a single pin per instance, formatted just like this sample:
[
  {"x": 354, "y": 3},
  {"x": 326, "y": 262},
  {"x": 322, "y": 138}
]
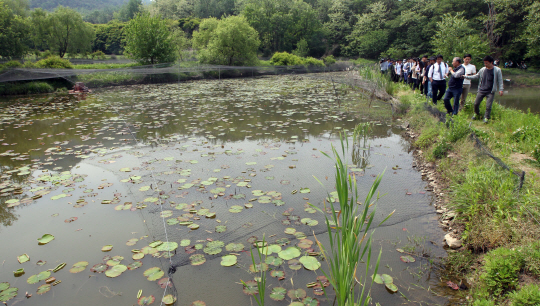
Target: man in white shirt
[
  {"x": 470, "y": 69},
  {"x": 399, "y": 67},
  {"x": 437, "y": 75}
]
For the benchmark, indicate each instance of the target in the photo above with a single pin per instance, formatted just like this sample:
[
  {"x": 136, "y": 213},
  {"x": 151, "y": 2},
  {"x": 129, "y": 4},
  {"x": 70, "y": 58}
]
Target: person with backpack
[
  {"x": 437, "y": 75},
  {"x": 491, "y": 81},
  {"x": 455, "y": 86}
]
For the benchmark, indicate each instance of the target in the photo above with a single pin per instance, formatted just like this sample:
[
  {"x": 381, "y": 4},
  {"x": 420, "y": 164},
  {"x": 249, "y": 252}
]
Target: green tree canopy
[
  {"x": 230, "y": 41},
  {"x": 455, "y": 37},
  {"x": 129, "y": 10},
  {"x": 149, "y": 40},
  {"x": 532, "y": 33},
  {"x": 13, "y": 34},
  {"x": 109, "y": 37}
]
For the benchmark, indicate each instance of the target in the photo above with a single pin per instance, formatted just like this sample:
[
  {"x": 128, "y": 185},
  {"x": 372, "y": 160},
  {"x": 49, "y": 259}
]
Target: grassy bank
[
  {"x": 522, "y": 77},
  {"x": 496, "y": 221}
]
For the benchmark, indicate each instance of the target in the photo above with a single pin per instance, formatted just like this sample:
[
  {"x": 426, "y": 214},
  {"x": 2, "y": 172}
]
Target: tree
[
  {"x": 230, "y": 41},
  {"x": 149, "y": 40},
  {"x": 282, "y": 23},
  {"x": 369, "y": 38},
  {"x": 109, "y": 37},
  {"x": 338, "y": 26},
  {"x": 455, "y": 37},
  {"x": 62, "y": 31},
  {"x": 531, "y": 36},
  {"x": 182, "y": 44},
  {"x": 128, "y": 10},
  {"x": 14, "y": 33}
]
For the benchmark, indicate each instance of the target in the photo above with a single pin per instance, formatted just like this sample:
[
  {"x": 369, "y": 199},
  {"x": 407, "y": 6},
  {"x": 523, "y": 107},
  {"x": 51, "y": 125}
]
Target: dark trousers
[
  {"x": 452, "y": 93},
  {"x": 489, "y": 103},
  {"x": 438, "y": 88},
  {"x": 426, "y": 88}
]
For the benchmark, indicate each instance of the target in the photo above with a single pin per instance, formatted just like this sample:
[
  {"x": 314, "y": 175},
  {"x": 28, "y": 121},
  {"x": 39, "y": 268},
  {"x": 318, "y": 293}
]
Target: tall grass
[
  {"x": 381, "y": 82},
  {"x": 349, "y": 235},
  {"x": 262, "y": 250}
]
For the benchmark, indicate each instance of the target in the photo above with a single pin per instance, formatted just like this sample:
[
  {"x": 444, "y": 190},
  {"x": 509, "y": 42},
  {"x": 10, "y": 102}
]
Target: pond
[
  {"x": 231, "y": 162},
  {"x": 521, "y": 98}
]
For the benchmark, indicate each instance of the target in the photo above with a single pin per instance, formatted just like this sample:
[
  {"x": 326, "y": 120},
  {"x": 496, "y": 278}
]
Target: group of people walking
[{"x": 438, "y": 80}]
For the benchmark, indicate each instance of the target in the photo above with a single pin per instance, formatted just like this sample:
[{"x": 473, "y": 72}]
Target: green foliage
[
  {"x": 329, "y": 60},
  {"x": 441, "y": 149},
  {"x": 109, "y": 38},
  {"x": 369, "y": 38},
  {"x": 536, "y": 152},
  {"x": 62, "y": 31},
  {"x": 483, "y": 302},
  {"x": 98, "y": 55},
  {"x": 528, "y": 295},
  {"x": 129, "y": 10},
  {"x": 531, "y": 256},
  {"x": 455, "y": 37},
  {"x": 13, "y": 34},
  {"x": 501, "y": 270},
  {"x": 13, "y": 64},
  {"x": 427, "y": 137},
  {"x": 286, "y": 59},
  {"x": 54, "y": 62},
  {"x": 530, "y": 35},
  {"x": 281, "y": 24},
  {"x": 8, "y": 89},
  {"x": 302, "y": 48},
  {"x": 80, "y": 4},
  {"x": 230, "y": 41},
  {"x": 149, "y": 40}
]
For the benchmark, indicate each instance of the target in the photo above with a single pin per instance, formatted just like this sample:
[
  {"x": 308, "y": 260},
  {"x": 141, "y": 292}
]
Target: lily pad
[
  {"x": 294, "y": 264},
  {"x": 258, "y": 268},
  {"x": 99, "y": 268},
  {"x": 234, "y": 247},
  {"x": 79, "y": 267},
  {"x": 277, "y": 273},
  {"x": 278, "y": 293},
  {"x": 309, "y": 301},
  {"x": 167, "y": 247},
  {"x": 250, "y": 287},
  {"x": 197, "y": 259},
  {"x": 310, "y": 262},
  {"x": 34, "y": 279},
  {"x": 146, "y": 300},
  {"x": 23, "y": 258},
  {"x": 107, "y": 248},
  {"x": 115, "y": 271},
  {"x": 43, "y": 289},
  {"x": 198, "y": 303},
  {"x": 169, "y": 299},
  {"x": 153, "y": 274},
  {"x": 295, "y": 294},
  {"x": 134, "y": 265},
  {"x": 236, "y": 209},
  {"x": 221, "y": 228},
  {"x": 132, "y": 241},
  {"x": 8, "y": 294},
  {"x": 4, "y": 286},
  {"x": 392, "y": 287},
  {"x": 407, "y": 258},
  {"x": 305, "y": 190},
  {"x": 274, "y": 261},
  {"x": 289, "y": 253},
  {"x": 228, "y": 260},
  {"x": 45, "y": 239}
]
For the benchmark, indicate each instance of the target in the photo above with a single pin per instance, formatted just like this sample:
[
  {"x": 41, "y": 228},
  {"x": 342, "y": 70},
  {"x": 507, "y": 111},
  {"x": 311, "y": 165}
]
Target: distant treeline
[{"x": 505, "y": 29}]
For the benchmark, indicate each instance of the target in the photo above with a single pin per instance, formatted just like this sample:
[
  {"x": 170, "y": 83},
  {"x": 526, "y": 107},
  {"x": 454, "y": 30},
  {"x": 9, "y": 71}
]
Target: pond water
[
  {"x": 522, "y": 98},
  {"x": 231, "y": 162}
]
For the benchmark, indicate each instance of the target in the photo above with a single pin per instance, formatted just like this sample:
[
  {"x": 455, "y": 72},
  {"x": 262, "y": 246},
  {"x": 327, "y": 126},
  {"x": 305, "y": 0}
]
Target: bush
[
  {"x": 54, "y": 62},
  {"x": 501, "y": 270},
  {"x": 457, "y": 129},
  {"x": 310, "y": 61},
  {"x": 536, "y": 152},
  {"x": 526, "y": 296},
  {"x": 441, "y": 149},
  {"x": 29, "y": 64},
  {"x": 13, "y": 64},
  {"x": 7, "y": 89},
  {"x": 47, "y": 54},
  {"x": 329, "y": 60},
  {"x": 286, "y": 59},
  {"x": 483, "y": 302},
  {"x": 98, "y": 54},
  {"x": 531, "y": 255}
]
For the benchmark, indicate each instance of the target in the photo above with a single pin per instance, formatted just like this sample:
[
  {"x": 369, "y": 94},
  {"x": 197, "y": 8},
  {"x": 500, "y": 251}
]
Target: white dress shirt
[{"x": 435, "y": 73}]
